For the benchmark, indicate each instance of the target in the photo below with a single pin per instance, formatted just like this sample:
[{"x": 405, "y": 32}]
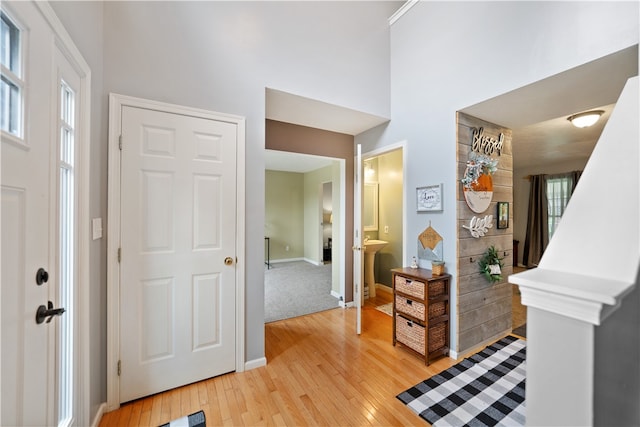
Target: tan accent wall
[
  {"x": 284, "y": 214},
  {"x": 301, "y": 139},
  {"x": 484, "y": 308},
  {"x": 389, "y": 214}
]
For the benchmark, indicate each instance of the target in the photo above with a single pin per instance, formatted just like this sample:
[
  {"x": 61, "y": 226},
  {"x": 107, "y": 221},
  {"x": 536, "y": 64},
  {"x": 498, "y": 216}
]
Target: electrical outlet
[
  {"x": 386, "y": 229},
  {"x": 286, "y": 248}
]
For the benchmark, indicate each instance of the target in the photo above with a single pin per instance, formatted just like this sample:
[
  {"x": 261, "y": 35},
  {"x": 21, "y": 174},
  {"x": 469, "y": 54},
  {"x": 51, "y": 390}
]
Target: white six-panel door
[{"x": 178, "y": 250}]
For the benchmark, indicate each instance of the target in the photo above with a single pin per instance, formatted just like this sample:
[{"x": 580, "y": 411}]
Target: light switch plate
[{"x": 96, "y": 227}]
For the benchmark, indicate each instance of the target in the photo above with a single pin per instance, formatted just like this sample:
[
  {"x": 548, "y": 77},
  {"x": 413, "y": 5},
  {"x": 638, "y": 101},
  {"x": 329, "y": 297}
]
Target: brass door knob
[{"x": 228, "y": 261}]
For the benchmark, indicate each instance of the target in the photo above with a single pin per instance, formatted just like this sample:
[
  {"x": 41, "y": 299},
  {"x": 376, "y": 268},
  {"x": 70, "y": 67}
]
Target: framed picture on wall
[
  {"x": 429, "y": 198},
  {"x": 503, "y": 215}
]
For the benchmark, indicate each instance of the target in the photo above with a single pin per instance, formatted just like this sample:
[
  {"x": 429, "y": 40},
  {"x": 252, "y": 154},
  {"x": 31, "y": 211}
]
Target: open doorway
[
  {"x": 383, "y": 212},
  {"x": 545, "y": 143},
  {"x": 303, "y": 217}
]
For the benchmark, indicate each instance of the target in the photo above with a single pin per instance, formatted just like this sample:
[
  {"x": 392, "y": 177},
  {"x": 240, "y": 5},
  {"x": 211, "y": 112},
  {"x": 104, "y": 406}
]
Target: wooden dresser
[{"x": 421, "y": 312}]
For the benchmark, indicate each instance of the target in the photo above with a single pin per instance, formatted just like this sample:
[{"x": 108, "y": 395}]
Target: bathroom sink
[
  {"x": 370, "y": 249},
  {"x": 374, "y": 245}
]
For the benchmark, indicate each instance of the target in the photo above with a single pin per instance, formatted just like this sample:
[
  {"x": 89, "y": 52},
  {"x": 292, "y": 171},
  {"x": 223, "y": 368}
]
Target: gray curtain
[{"x": 537, "y": 235}]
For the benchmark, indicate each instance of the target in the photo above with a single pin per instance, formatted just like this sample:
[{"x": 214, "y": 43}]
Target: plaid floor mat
[{"x": 486, "y": 389}]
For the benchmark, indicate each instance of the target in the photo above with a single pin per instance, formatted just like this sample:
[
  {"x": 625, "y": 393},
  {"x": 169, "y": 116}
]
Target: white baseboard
[
  {"x": 99, "y": 414},
  {"x": 276, "y": 261},
  {"x": 255, "y": 363}
]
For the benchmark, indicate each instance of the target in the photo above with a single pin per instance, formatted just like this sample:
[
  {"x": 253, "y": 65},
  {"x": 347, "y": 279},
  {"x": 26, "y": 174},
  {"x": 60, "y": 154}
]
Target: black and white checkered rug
[{"x": 486, "y": 389}]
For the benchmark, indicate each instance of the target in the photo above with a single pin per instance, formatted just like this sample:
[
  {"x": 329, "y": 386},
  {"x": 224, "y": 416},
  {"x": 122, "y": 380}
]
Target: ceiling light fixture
[{"x": 586, "y": 119}]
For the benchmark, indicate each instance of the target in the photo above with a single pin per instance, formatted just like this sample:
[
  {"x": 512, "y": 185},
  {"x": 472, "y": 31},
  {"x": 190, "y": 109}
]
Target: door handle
[
  {"x": 47, "y": 312},
  {"x": 228, "y": 261}
]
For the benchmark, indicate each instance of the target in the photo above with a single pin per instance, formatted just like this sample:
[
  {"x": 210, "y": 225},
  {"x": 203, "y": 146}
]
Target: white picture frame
[{"x": 429, "y": 198}]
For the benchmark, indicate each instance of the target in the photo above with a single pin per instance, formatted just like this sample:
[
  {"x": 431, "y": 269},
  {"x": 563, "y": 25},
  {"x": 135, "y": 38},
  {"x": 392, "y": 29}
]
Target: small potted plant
[{"x": 491, "y": 265}]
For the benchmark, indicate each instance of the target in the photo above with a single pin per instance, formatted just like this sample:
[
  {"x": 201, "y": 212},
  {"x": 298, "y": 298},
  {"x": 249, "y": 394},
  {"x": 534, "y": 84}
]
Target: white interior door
[
  {"x": 358, "y": 253},
  {"x": 178, "y": 250}
]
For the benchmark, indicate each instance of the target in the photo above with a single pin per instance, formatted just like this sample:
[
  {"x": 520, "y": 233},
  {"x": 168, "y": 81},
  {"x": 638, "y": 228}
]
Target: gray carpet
[{"x": 293, "y": 289}]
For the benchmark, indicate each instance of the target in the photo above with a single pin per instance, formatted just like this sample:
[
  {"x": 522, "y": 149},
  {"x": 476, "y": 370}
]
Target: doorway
[
  {"x": 303, "y": 216},
  {"x": 545, "y": 142},
  {"x": 383, "y": 211}
]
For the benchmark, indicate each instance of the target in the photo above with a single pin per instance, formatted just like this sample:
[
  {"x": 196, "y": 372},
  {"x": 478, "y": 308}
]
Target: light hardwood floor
[{"x": 319, "y": 372}]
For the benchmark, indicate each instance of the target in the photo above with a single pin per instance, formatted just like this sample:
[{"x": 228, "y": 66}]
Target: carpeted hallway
[{"x": 293, "y": 289}]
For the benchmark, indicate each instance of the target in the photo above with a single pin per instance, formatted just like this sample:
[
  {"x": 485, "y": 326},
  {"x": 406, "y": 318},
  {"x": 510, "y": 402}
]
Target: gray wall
[
  {"x": 446, "y": 56},
  {"x": 221, "y": 56},
  {"x": 617, "y": 371}
]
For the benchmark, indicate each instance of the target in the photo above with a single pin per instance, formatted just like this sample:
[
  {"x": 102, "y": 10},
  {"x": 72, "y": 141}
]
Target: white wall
[{"x": 446, "y": 56}]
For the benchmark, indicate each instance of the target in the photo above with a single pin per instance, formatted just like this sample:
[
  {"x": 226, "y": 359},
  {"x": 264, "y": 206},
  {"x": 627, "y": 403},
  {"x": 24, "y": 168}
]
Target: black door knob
[{"x": 42, "y": 276}]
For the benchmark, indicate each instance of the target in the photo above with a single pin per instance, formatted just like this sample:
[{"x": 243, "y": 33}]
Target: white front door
[
  {"x": 41, "y": 134},
  {"x": 178, "y": 250}
]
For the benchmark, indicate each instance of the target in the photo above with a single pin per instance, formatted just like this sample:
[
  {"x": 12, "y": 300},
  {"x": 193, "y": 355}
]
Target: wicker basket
[
  {"x": 410, "y": 287},
  {"x": 437, "y": 336},
  {"x": 436, "y": 288},
  {"x": 437, "y": 268},
  {"x": 436, "y": 309},
  {"x": 410, "y": 334},
  {"x": 410, "y": 307}
]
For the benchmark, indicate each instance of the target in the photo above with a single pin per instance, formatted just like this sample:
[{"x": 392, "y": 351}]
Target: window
[
  {"x": 11, "y": 83},
  {"x": 67, "y": 261},
  {"x": 558, "y": 195}
]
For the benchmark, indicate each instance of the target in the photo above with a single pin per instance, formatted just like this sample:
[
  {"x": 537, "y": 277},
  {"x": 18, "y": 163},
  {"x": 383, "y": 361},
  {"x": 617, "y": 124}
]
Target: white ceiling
[{"x": 537, "y": 114}]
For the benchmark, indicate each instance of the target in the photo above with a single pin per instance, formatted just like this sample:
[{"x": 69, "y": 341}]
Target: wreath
[
  {"x": 491, "y": 265},
  {"x": 478, "y": 164}
]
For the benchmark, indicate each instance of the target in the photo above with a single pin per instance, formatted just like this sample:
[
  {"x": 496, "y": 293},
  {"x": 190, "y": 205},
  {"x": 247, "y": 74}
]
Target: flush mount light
[{"x": 586, "y": 119}]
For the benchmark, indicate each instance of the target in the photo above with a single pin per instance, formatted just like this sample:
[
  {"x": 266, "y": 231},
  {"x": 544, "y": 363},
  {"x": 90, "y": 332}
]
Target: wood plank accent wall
[{"x": 484, "y": 308}]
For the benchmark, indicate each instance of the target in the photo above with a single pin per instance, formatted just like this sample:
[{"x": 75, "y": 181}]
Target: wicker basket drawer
[
  {"x": 410, "y": 334},
  {"x": 437, "y": 336},
  {"x": 436, "y": 288},
  {"x": 410, "y": 287},
  {"x": 437, "y": 309},
  {"x": 410, "y": 307}
]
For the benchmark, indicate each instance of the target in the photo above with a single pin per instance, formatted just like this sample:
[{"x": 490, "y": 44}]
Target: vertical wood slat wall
[{"x": 484, "y": 308}]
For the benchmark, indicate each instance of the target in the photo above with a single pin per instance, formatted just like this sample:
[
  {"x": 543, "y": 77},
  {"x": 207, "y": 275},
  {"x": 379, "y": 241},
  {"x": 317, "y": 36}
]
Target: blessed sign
[{"x": 484, "y": 144}]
